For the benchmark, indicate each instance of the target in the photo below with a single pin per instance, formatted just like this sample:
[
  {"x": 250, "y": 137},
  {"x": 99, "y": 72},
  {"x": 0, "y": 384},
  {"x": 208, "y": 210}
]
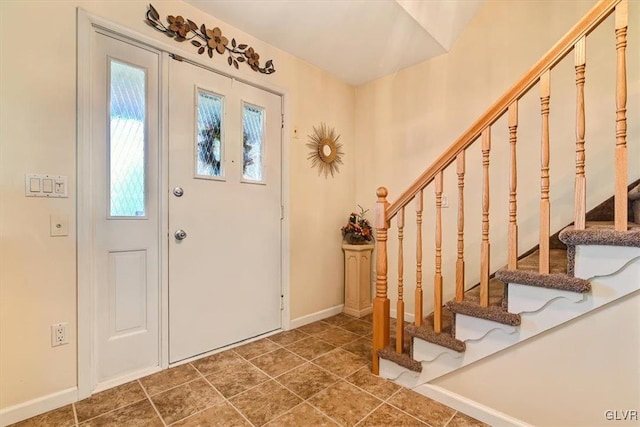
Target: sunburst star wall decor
[{"x": 326, "y": 152}]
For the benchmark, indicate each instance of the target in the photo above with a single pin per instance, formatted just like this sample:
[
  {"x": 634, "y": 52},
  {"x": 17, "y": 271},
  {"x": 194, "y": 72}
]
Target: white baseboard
[
  {"x": 408, "y": 317},
  {"x": 314, "y": 317},
  {"x": 470, "y": 407},
  {"x": 22, "y": 411}
]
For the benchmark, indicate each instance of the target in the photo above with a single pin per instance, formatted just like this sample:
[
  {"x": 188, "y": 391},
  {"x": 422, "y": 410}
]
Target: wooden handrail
[{"x": 596, "y": 15}]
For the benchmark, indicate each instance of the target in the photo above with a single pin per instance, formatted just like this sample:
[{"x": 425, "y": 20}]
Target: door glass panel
[
  {"x": 252, "y": 142},
  {"x": 127, "y": 140},
  {"x": 209, "y": 138}
]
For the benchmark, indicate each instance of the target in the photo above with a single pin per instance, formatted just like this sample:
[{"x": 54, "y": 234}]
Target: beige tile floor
[{"x": 316, "y": 375}]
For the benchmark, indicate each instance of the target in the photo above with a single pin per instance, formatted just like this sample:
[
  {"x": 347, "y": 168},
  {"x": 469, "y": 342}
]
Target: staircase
[{"x": 582, "y": 267}]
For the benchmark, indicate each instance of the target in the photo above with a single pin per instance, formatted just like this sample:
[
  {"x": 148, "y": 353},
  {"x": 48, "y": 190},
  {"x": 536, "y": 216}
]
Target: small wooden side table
[{"x": 357, "y": 279}]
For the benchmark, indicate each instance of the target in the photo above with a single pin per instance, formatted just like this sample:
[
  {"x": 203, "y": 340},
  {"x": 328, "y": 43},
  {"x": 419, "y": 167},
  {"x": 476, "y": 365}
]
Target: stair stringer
[
  {"x": 606, "y": 287},
  {"x": 598, "y": 265}
]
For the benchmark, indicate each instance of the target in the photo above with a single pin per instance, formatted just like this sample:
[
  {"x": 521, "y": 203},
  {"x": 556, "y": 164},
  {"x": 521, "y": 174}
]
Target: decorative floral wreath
[{"x": 210, "y": 40}]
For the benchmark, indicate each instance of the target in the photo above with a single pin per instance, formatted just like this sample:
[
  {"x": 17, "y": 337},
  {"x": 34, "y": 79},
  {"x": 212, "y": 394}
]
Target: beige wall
[
  {"x": 38, "y": 110},
  {"x": 404, "y": 121}
]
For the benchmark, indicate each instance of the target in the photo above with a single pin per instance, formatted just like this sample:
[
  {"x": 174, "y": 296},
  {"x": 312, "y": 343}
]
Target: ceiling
[{"x": 356, "y": 40}]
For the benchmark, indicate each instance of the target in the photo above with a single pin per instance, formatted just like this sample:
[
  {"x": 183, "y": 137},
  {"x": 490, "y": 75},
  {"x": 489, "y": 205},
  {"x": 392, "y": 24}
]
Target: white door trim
[{"x": 88, "y": 24}]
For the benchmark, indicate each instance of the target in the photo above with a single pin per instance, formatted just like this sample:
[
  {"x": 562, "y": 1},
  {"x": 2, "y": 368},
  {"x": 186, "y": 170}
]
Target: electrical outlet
[
  {"x": 445, "y": 202},
  {"x": 59, "y": 334}
]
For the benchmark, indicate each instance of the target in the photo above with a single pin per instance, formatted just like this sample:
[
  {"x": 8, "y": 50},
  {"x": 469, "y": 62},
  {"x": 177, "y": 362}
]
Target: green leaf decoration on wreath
[{"x": 208, "y": 40}]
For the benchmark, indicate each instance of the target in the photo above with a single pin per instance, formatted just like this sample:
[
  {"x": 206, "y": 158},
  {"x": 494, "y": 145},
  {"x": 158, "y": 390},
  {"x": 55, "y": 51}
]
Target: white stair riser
[
  {"x": 596, "y": 260},
  {"x": 398, "y": 374},
  {"x": 425, "y": 351},
  {"x": 528, "y": 299},
  {"x": 472, "y": 328}
]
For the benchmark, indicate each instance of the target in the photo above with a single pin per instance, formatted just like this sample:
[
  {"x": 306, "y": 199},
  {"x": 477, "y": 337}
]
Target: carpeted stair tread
[
  {"x": 493, "y": 312},
  {"x": 403, "y": 359},
  {"x": 560, "y": 281},
  {"x": 444, "y": 339},
  {"x": 557, "y": 261},
  {"x": 602, "y": 233}
]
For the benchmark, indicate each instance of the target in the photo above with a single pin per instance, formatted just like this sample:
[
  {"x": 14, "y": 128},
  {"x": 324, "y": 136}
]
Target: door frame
[{"x": 88, "y": 25}]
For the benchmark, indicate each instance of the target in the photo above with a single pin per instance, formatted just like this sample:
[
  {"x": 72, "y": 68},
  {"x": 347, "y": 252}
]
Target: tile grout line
[
  {"x": 228, "y": 400},
  {"x": 367, "y": 416},
  {"x": 452, "y": 417},
  {"x": 113, "y": 410},
  {"x": 75, "y": 414},
  {"x": 309, "y": 403},
  {"x": 261, "y": 354},
  {"x": 284, "y": 372},
  {"x": 322, "y": 412},
  {"x": 152, "y": 404},
  {"x": 402, "y": 410},
  {"x": 343, "y": 379},
  {"x": 316, "y": 393},
  {"x": 296, "y": 394},
  {"x": 170, "y": 388},
  {"x": 240, "y": 412},
  {"x": 224, "y": 399}
]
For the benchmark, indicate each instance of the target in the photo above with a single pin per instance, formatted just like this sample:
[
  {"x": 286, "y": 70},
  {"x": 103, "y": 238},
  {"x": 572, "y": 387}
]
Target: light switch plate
[
  {"x": 43, "y": 185},
  {"x": 59, "y": 225}
]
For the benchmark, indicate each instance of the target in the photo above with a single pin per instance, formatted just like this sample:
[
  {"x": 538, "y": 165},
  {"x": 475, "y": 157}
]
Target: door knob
[
  {"x": 178, "y": 191},
  {"x": 180, "y": 234}
]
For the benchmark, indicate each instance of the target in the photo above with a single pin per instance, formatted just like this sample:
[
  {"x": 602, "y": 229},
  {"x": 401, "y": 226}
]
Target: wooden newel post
[{"x": 380, "y": 302}]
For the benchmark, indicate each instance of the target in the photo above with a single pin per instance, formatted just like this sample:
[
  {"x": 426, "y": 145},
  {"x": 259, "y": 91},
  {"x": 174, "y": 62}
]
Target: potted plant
[{"x": 358, "y": 231}]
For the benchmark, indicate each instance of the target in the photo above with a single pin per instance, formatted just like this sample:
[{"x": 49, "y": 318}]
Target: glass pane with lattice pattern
[
  {"x": 252, "y": 142},
  {"x": 209, "y": 138},
  {"x": 127, "y": 140}
]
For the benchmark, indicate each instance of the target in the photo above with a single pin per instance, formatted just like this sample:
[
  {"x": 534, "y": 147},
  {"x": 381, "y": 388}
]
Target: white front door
[
  {"x": 125, "y": 225},
  {"x": 224, "y": 211}
]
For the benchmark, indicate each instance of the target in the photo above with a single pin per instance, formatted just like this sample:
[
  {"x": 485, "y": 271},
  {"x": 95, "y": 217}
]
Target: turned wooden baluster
[
  {"x": 460, "y": 260},
  {"x": 418, "y": 310},
  {"x": 512, "y": 245},
  {"x": 485, "y": 247},
  {"x": 545, "y": 95},
  {"x": 400, "y": 304},
  {"x": 580, "y": 205},
  {"x": 621, "y": 19},
  {"x": 437, "y": 279},
  {"x": 381, "y": 302}
]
